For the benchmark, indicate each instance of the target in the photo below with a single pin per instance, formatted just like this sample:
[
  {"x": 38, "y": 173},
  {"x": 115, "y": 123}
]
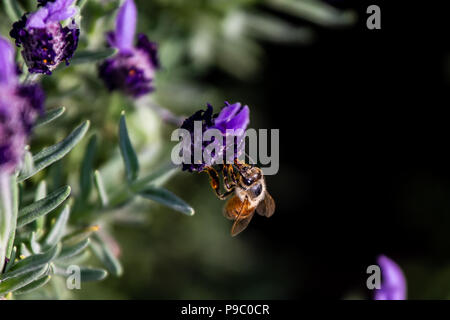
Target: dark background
[{"x": 363, "y": 118}]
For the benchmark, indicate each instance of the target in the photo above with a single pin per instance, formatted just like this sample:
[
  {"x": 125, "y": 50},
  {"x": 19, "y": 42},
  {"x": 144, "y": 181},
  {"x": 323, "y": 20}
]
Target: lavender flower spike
[
  {"x": 19, "y": 107},
  {"x": 132, "y": 69},
  {"x": 232, "y": 117},
  {"x": 393, "y": 286},
  {"x": 44, "y": 40}
]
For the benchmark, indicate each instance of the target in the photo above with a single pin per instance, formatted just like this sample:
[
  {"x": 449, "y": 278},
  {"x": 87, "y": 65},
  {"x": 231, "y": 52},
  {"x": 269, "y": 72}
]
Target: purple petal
[
  {"x": 240, "y": 121},
  {"x": 393, "y": 285},
  {"x": 8, "y": 72},
  {"x": 62, "y": 14},
  {"x": 233, "y": 117},
  {"x": 126, "y": 26},
  {"x": 37, "y": 19},
  {"x": 51, "y": 12},
  {"x": 228, "y": 112}
]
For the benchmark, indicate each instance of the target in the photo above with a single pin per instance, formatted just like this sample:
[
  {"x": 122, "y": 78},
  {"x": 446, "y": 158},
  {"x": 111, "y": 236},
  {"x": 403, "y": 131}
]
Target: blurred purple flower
[
  {"x": 231, "y": 117},
  {"x": 45, "y": 41},
  {"x": 132, "y": 69},
  {"x": 19, "y": 107},
  {"x": 393, "y": 286}
]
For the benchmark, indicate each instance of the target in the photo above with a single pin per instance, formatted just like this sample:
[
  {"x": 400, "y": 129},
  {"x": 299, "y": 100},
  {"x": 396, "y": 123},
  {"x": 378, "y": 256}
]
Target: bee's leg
[
  {"x": 215, "y": 183},
  {"x": 232, "y": 174},
  {"x": 241, "y": 165},
  {"x": 229, "y": 186}
]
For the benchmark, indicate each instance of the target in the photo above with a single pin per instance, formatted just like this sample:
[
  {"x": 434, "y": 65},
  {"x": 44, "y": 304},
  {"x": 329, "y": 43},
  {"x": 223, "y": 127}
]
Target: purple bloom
[
  {"x": 44, "y": 40},
  {"x": 132, "y": 69},
  {"x": 232, "y": 117},
  {"x": 19, "y": 107},
  {"x": 393, "y": 286}
]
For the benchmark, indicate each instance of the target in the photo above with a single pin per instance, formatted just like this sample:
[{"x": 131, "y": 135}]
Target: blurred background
[{"x": 363, "y": 146}]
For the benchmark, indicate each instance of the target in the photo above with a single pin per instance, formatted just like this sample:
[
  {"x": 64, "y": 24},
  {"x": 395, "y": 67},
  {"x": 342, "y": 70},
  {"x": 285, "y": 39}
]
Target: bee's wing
[
  {"x": 240, "y": 224},
  {"x": 267, "y": 206}
]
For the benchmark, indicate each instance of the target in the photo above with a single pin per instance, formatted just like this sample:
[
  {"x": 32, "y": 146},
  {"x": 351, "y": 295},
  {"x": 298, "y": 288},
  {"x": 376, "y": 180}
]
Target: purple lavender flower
[
  {"x": 231, "y": 117},
  {"x": 19, "y": 107},
  {"x": 132, "y": 69},
  {"x": 393, "y": 286},
  {"x": 44, "y": 40}
]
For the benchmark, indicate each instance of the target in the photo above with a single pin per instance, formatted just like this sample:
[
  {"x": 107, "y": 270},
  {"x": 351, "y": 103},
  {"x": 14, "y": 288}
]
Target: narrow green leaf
[
  {"x": 156, "y": 178},
  {"x": 317, "y": 12},
  {"x": 13, "y": 10},
  {"x": 39, "y": 283},
  {"x": 28, "y": 163},
  {"x": 54, "y": 153},
  {"x": 167, "y": 198},
  {"x": 12, "y": 284},
  {"x": 79, "y": 235},
  {"x": 69, "y": 251},
  {"x": 8, "y": 215},
  {"x": 86, "y": 168},
  {"x": 24, "y": 252},
  {"x": 77, "y": 259},
  {"x": 49, "y": 116},
  {"x": 41, "y": 193},
  {"x": 105, "y": 255},
  {"x": 34, "y": 244},
  {"x": 81, "y": 3},
  {"x": 12, "y": 259},
  {"x": 100, "y": 188},
  {"x": 58, "y": 228},
  {"x": 90, "y": 56},
  {"x": 126, "y": 148},
  {"x": 31, "y": 263},
  {"x": 42, "y": 207},
  {"x": 92, "y": 274}
]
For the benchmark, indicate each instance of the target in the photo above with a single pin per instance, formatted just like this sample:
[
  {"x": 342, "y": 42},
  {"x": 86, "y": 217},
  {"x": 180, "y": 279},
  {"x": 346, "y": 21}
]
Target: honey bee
[{"x": 249, "y": 191}]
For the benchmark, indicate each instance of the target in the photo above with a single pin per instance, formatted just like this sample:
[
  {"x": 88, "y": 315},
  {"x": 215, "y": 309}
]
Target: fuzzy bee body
[{"x": 249, "y": 194}]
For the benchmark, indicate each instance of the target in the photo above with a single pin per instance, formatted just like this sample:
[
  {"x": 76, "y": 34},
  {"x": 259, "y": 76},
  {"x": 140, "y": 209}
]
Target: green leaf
[
  {"x": 41, "y": 193},
  {"x": 42, "y": 207},
  {"x": 156, "y": 178},
  {"x": 24, "y": 252},
  {"x": 12, "y": 284},
  {"x": 105, "y": 255},
  {"x": 13, "y": 10},
  {"x": 54, "y": 153},
  {"x": 68, "y": 251},
  {"x": 34, "y": 244},
  {"x": 39, "y": 283},
  {"x": 126, "y": 148},
  {"x": 100, "y": 188},
  {"x": 317, "y": 12},
  {"x": 49, "y": 116},
  {"x": 8, "y": 215},
  {"x": 28, "y": 163},
  {"x": 12, "y": 259},
  {"x": 81, "y": 3},
  {"x": 90, "y": 56},
  {"x": 86, "y": 168},
  {"x": 92, "y": 274},
  {"x": 79, "y": 235},
  {"x": 167, "y": 198},
  {"x": 58, "y": 228},
  {"x": 31, "y": 263}
]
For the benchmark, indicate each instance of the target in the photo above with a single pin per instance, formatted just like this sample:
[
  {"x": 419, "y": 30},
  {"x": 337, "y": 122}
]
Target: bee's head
[{"x": 250, "y": 175}]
